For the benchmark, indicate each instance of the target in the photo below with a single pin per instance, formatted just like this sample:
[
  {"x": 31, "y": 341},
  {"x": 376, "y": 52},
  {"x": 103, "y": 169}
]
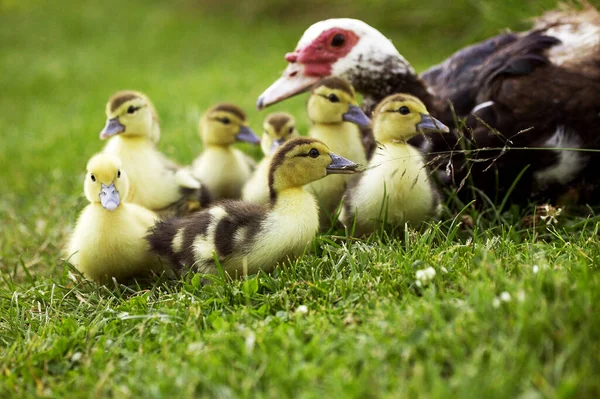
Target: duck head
[
  {"x": 343, "y": 47},
  {"x": 279, "y": 127},
  {"x": 130, "y": 113},
  {"x": 224, "y": 124},
  {"x": 303, "y": 160},
  {"x": 105, "y": 183},
  {"x": 333, "y": 100},
  {"x": 402, "y": 116}
]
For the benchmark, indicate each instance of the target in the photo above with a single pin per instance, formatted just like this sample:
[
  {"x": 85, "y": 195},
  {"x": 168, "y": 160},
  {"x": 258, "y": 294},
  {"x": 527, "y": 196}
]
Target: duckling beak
[
  {"x": 430, "y": 124},
  {"x": 109, "y": 197},
  {"x": 246, "y": 134},
  {"x": 292, "y": 82},
  {"x": 276, "y": 144},
  {"x": 356, "y": 116},
  {"x": 341, "y": 166},
  {"x": 113, "y": 126}
]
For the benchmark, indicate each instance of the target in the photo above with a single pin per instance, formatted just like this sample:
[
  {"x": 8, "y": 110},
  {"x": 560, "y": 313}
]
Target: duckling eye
[
  {"x": 290, "y": 130},
  {"x": 132, "y": 109},
  {"x": 338, "y": 40},
  {"x": 333, "y": 98},
  {"x": 313, "y": 153},
  {"x": 93, "y": 177},
  {"x": 118, "y": 173},
  {"x": 225, "y": 121},
  {"x": 404, "y": 110}
]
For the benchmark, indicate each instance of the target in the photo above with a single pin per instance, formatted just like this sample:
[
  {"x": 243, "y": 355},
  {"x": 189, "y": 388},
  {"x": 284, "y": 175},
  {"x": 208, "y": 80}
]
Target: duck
[
  {"x": 245, "y": 237},
  {"x": 396, "y": 187},
  {"x": 336, "y": 119},
  {"x": 109, "y": 238},
  {"x": 155, "y": 182},
  {"x": 278, "y": 128},
  {"x": 515, "y": 90},
  {"x": 221, "y": 168}
]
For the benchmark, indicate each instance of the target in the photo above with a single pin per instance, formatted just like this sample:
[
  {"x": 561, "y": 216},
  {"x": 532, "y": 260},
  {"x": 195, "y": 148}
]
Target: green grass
[{"x": 370, "y": 330}]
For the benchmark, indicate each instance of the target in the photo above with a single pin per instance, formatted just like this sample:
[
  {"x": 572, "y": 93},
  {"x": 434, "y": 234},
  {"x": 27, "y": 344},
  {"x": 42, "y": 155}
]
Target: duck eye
[
  {"x": 225, "y": 121},
  {"x": 338, "y": 40},
  {"x": 404, "y": 110},
  {"x": 333, "y": 98},
  {"x": 118, "y": 173},
  {"x": 93, "y": 177},
  {"x": 131, "y": 109},
  {"x": 313, "y": 153},
  {"x": 290, "y": 130}
]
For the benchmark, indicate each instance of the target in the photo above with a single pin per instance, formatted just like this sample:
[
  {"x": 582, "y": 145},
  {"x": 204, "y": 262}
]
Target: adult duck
[{"x": 538, "y": 88}]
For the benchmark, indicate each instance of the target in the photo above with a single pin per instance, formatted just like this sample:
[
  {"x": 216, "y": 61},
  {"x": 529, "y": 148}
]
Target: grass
[{"x": 511, "y": 311}]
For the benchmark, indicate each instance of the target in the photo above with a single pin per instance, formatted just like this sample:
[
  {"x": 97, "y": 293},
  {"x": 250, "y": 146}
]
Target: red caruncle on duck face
[{"x": 319, "y": 56}]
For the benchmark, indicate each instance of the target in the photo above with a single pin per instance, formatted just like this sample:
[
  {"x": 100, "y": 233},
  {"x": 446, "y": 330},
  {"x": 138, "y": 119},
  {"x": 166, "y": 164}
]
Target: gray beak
[
  {"x": 341, "y": 165},
  {"x": 109, "y": 197},
  {"x": 430, "y": 124},
  {"x": 113, "y": 126},
  {"x": 246, "y": 134},
  {"x": 356, "y": 116},
  {"x": 276, "y": 144}
]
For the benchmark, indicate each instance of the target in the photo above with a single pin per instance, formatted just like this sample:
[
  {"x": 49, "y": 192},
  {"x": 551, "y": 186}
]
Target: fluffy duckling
[
  {"x": 279, "y": 127},
  {"x": 336, "y": 117},
  {"x": 155, "y": 182},
  {"x": 247, "y": 237},
  {"x": 222, "y": 168},
  {"x": 108, "y": 240},
  {"x": 395, "y": 188}
]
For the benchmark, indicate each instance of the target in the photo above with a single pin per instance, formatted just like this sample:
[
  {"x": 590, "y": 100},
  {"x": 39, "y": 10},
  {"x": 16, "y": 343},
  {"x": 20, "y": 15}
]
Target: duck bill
[
  {"x": 247, "y": 135},
  {"x": 341, "y": 166},
  {"x": 292, "y": 82},
  {"x": 276, "y": 144},
  {"x": 357, "y": 116},
  {"x": 113, "y": 126},
  {"x": 430, "y": 124},
  {"x": 109, "y": 197}
]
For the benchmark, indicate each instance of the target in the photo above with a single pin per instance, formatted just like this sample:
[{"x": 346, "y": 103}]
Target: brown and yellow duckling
[
  {"x": 247, "y": 237},
  {"x": 396, "y": 187},
  {"x": 156, "y": 183},
  {"x": 279, "y": 127},
  {"x": 220, "y": 167},
  {"x": 336, "y": 120}
]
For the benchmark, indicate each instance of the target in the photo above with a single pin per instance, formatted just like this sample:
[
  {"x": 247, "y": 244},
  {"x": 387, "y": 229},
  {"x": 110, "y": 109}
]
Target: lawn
[{"x": 510, "y": 312}]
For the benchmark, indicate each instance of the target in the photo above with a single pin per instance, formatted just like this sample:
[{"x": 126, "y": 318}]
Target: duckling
[
  {"x": 279, "y": 127},
  {"x": 336, "y": 117},
  {"x": 156, "y": 182},
  {"x": 246, "y": 237},
  {"x": 108, "y": 240},
  {"x": 395, "y": 188},
  {"x": 222, "y": 168}
]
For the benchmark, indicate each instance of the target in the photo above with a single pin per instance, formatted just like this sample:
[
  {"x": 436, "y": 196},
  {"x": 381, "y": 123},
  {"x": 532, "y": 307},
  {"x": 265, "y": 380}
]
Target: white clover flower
[
  {"x": 302, "y": 309},
  {"x": 536, "y": 269},
  {"x": 505, "y": 296},
  {"x": 496, "y": 303},
  {"x": 424, "y": 276}
]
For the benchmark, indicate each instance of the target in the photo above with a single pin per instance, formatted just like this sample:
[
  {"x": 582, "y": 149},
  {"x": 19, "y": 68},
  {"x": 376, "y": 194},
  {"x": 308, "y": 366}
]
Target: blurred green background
[{"x": 61, "y": 60}]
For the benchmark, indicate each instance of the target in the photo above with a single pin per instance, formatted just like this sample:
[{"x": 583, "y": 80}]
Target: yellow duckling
[
  {"x": 395, "y": 188},
  {"x": 279, "y": 127},
  {"x": 334, "y": 112},
  {"x": 222, "y": 168},
  {"x": 108, "y": 240},
  {"x": 247, "y": 237},
  {"x": 156, "y": 183}
]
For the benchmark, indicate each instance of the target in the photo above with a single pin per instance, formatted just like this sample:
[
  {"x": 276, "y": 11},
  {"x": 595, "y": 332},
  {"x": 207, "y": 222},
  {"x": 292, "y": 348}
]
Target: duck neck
[
  {"x": 390, "y": 76},
  {"x": 293, "y": 198}
]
